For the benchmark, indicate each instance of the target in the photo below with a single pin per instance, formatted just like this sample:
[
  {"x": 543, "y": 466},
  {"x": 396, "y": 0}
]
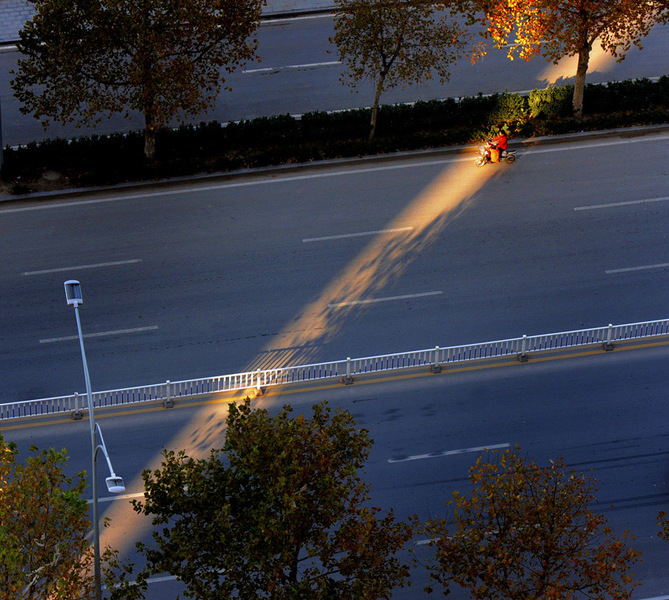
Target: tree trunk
[
  {"x": 579, "y": 87},
  {"x": 149, "y": 145},
  {"x": 375, "y": 106},
  {"x": 149, "y": 137}
]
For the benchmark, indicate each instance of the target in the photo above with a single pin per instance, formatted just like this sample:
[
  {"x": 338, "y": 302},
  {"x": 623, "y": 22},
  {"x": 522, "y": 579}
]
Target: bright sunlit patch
[
  {"x": 600, "y": 61},
  {"x": 381, "y": 263}
]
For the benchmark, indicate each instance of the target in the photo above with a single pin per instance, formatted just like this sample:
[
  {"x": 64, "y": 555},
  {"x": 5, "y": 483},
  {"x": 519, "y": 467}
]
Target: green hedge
[{"x": 212, "y": 147}]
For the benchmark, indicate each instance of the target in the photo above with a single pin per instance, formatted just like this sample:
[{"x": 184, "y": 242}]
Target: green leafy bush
[{"x": 553, "y": 102}]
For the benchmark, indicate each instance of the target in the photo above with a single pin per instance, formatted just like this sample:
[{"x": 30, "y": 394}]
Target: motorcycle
[{"x": 507, "y": 156}]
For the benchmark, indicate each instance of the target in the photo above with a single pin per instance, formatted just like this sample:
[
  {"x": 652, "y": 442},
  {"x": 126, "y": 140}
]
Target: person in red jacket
[{"x": 500, "y": 142}]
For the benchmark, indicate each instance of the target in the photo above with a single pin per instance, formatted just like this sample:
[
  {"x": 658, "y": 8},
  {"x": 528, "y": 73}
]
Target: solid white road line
[
  {"x": 320, "y": 175},
  {"x": 568, "y": 146},
  {"x": 353, "y": 235},
  {"x": 388, "y": 299},
  {"x": 81, "y": 267},
  {"x": 641, "y": 268},
  {"x": 447, "y": 453},
  {"x": 100, "y": 334},
  {"x": 239, "y": 184},
  {"x": 617, "y": 204},
  {"x": 293, "y": 67}
]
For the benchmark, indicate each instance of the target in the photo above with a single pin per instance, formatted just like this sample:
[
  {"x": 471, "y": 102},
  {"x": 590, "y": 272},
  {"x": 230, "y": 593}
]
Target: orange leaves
[
  {"x": 525, "y": 532},
  {"x": 44, "y": 526},
  {"x": 663, "y": 522},
  {"x": 556, "y": 29}
]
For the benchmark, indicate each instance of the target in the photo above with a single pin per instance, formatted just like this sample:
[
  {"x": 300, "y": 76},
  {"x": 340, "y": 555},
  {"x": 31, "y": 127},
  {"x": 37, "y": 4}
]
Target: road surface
[
  {"x": 344, "y": 260},
  {"x": 222, "y": 276}
]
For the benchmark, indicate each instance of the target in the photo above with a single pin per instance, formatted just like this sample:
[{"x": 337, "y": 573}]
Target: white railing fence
[{"x": 345, "y": 370}]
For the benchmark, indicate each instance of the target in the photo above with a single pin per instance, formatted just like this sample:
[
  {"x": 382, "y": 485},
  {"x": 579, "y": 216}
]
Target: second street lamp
[{"x": 114, "y": 482}]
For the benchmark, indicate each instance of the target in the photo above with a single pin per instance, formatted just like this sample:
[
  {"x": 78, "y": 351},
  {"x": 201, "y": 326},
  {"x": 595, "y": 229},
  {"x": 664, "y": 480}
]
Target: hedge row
[{"x": 211, "y": 147}]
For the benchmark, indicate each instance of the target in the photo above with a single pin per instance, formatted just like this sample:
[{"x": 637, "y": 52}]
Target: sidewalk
[{"x": 14, "y": 13}]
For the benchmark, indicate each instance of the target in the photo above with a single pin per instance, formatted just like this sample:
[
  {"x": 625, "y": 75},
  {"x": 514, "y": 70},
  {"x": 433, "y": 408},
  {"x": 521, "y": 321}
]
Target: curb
[{"x": 375, "y": 158}]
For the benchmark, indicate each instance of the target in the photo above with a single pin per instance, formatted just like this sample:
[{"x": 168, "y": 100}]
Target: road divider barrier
[{"x": 343, "y": 370}]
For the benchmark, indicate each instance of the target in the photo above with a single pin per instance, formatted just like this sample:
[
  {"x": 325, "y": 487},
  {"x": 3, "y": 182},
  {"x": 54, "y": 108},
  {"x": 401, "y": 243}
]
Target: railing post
[
  {"x": 608, "y": 344},
  {"x": 522, "y": 355},
  {"x": 436, "y": 367},
  {"x": 259, "y": 386},
  {"x": 76, "y": 413},
  {"x": 167, "y": 400},
  {"x": 347, "y": 379}
]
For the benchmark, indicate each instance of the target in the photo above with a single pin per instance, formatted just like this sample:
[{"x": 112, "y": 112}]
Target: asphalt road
[
  {"x": 604, "y": 414},
  {"x": 298, "y": 72},
  {"x": 214, "y": 277},
  {"x": 222, "y": 276}
]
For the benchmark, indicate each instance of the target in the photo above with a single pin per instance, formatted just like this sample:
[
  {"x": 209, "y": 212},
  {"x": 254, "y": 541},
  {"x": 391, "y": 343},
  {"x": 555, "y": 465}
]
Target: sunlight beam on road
[{"x": 379, "y": 264}]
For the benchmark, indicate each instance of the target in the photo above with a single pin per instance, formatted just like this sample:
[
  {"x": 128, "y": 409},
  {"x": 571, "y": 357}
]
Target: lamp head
[
  {"x": 115, "y": 484},
  {"x": 73, "y": 293}
]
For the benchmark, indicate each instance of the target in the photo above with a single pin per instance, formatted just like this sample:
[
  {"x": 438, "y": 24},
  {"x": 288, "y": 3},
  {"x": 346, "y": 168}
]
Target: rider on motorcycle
[{"x": 500, "y": 143}]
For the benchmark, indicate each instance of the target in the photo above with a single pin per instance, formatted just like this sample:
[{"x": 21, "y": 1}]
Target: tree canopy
[
  {"x": 558, "y": 28},
  {"x": 84, "y": 59},
  {"x": 527, "y": 532},
  {"x": 44, "y": 547},
  {"x": 395, "y": 42},
  {"x": 278, "y": 512}
]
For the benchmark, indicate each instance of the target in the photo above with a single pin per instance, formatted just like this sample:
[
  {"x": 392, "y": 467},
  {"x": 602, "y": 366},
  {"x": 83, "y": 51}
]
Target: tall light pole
[{"x": 114, "y": 483}]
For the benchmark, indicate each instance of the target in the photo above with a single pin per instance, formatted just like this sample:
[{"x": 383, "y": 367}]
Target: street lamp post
[{"x": 114, "y": 482}]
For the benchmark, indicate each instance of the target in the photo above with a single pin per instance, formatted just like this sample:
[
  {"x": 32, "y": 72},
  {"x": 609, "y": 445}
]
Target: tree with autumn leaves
[
  {"x": 279, "y": 512},
  {"x": 395, "y": 42},
  {"x": 84, "y": 59},
  {"x": 45, "y": 551},
  {"x": 556, "y": 29},
  {"x": 527, "y": 532}
]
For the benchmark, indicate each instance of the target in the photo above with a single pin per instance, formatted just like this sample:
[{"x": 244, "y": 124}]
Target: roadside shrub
[
  {"x": 323, "y": 127},
  {"x": 551, "y": 103},
  {"x": 661, "y": 92},
  {"x": 474, "y": 111},
  {"x": 510, "y": 110}
]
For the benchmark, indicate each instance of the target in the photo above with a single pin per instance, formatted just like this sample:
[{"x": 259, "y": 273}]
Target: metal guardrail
[{"x": 345, "y": 370}]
